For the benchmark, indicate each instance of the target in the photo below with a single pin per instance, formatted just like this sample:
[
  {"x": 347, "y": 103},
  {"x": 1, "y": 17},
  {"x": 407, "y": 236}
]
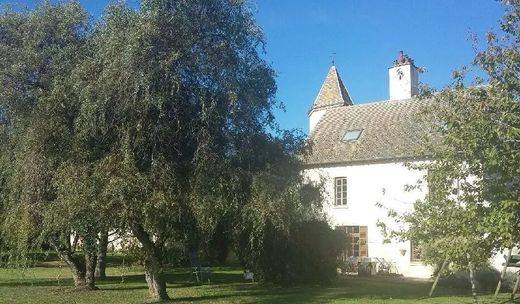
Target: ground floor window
[
  {"x": 356, "y": 245},
  {"x": 415, "y": 251}
]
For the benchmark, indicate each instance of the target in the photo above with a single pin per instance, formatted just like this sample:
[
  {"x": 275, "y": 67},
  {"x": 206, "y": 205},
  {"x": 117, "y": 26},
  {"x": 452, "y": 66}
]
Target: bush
[
  {"x": 509, "y": 281},
  {"x": 315, "y": 252},
  {"x": 486, "y": 280},
  {"x": 308, "y": 254}
]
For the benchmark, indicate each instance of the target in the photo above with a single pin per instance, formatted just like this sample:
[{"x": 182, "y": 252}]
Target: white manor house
[{"x": 359, "y": 152}]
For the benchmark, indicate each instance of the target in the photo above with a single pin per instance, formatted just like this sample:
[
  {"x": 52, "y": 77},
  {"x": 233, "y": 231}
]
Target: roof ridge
[
  {"x": 384, "y": 101},
  {"x": 342, "y": 87}
]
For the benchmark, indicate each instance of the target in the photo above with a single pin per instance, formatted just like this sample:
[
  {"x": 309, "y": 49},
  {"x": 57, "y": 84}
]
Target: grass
[{"x": 50, "y": 283}]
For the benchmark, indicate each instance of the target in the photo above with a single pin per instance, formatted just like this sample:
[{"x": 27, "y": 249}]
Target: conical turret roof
[{"x": 332, "y": 92}]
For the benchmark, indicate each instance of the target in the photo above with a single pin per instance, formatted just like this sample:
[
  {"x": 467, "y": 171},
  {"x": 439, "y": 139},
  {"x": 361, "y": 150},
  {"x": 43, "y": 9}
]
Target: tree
[
  {"x": 473, "y": 204},
  {"x": 152, "y": 121},
  {"x": 41, "y": 160},
  {"x": 281, "y": 204},
  {"x": 173, "y": 97}
]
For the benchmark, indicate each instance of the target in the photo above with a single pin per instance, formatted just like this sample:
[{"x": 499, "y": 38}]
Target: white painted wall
[
  {"x": 403, "y": 82},
  {"x": 314, "y": 118},
  {"x": 499, "y": 258},
  {"x": 368, "y": 185}
]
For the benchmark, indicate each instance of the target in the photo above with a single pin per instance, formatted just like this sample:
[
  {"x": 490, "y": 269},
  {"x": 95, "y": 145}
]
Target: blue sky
[{"x": 366, "y": 36}]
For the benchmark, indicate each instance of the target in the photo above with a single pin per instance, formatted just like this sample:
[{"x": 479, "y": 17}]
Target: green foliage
[
  {"x": 39, "y": 50},
  {"x": 485, "y": 278},
  {"x": 307, "y": 254},
  {"x": 152, "y": 120},
  {"x": 171, "y": 98},
  {"x": 473, "y": 166},
  {"x": 280, "y": 201}
]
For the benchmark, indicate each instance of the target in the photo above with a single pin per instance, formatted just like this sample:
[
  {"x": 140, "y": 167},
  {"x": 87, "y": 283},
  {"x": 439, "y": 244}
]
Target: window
[
  {"x": 356, "y": 245},
  {"x": 341, "y": 191},
  {"x": 352, "y": 135},
  {"x": 415, "y": 251}
]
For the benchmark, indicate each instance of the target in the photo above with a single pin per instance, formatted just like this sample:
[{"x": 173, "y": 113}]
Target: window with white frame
[{"x": 341, "y": 191}]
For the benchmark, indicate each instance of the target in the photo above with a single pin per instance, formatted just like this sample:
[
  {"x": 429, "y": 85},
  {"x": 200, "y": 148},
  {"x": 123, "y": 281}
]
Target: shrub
[
  {"x": 316, "y": 250},
  {"x": 509, "y": 281},
  {"x": 308, "y": 254},
  {"x": 486, "y": 280}
]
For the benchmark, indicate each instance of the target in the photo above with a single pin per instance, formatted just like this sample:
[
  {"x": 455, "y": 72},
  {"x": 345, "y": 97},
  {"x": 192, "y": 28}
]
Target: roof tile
[
  {"x": 332, "y": 91},
  {"x": 390, "y": 131}
]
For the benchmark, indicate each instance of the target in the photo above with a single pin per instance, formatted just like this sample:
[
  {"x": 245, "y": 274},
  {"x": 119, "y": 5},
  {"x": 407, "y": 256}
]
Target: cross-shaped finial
[{"x": 333, "y": 59}]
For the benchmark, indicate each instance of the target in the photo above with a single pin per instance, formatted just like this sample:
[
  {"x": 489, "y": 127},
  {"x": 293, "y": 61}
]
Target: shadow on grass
[
  {"x": 256, "y": 294},
  {"x": 344, "y": 289},
  {"x": 176, "y": 278},
  {"x": 228, "y": 284}
]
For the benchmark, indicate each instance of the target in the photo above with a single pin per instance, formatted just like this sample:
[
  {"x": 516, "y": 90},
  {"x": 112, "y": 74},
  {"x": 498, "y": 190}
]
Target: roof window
[{"x": 352, "y": 135}]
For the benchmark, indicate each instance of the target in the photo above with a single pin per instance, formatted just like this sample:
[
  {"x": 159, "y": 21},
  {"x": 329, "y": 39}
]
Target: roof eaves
[{"x": 382, "y": 160}]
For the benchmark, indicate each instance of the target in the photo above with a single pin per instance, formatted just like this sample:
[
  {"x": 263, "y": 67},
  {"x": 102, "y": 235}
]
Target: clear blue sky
[{"x": 366, "y": 36}]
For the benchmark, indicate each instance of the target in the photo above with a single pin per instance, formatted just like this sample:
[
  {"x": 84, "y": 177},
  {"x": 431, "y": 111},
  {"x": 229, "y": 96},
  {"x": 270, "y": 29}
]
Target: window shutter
[{"x": 363, "y": 241}]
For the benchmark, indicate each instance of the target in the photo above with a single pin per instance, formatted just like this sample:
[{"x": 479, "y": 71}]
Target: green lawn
[{"x": 51, "y": 283}]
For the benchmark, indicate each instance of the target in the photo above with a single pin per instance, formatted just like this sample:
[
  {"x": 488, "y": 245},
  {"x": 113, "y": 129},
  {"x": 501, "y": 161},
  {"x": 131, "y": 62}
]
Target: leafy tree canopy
[
  {"x": 473, "y": 169},
  {"x": 152, "y": 121}
]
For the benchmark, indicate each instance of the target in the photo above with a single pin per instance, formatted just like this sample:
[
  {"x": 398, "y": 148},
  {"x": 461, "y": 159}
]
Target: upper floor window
[{"x": 341, "y": 191}]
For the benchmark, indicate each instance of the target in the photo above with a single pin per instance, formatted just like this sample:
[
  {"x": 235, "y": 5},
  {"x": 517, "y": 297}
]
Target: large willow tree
[{"x": 152, "y": 120}]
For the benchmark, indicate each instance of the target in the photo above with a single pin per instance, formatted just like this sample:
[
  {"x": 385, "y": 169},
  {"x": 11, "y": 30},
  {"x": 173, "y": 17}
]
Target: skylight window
[{"x": 352, "y": 135}]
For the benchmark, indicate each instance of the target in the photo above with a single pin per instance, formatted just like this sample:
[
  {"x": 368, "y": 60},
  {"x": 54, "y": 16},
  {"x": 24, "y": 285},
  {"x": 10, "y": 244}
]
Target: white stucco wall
[
  {"x": 368, "y": 185},
  {"x": 314, "y": 118},
  {"x": 499, "y": 258}
]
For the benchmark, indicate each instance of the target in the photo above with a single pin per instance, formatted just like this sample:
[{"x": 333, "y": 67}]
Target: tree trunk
[
  {"x": 152, "y": 267},
  {"x": 90, "y": 251},
  {"x": 102, "y": 255},
  {"x": 155, "y": 279},
  {"x": 515, "y": 289},
  {"x": 503, "y": 274},
  {"x": 472, "y": 280},
  {"x": 78, "y": 274},
  {"x": 82, "y": 271},
  {"x": 437, "y": 277},
  {"x": 90, "y": 269}
]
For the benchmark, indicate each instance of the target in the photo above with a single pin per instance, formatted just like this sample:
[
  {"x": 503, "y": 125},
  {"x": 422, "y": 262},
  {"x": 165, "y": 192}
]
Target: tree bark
[
  {"x": 515, "y": 289},
  {"x": 155, "y": 279},
  {"x": 437, "y": 277},
  {"x": 152, "y": 267},
  {"x": 90, "y": 269},
  {"x": 82, "y": 271},
  {"x": 504, "y": 270},
  {"x": 78, "y": 275},
  {"x": 472, "y": 280},
  {"x": 102, "y": 255}
]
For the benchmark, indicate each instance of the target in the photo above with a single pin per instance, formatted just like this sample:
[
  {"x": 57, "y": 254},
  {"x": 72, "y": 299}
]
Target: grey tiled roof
[
  {"x": 390, "y": 130},
  {"x": 332, "y": 91}
]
